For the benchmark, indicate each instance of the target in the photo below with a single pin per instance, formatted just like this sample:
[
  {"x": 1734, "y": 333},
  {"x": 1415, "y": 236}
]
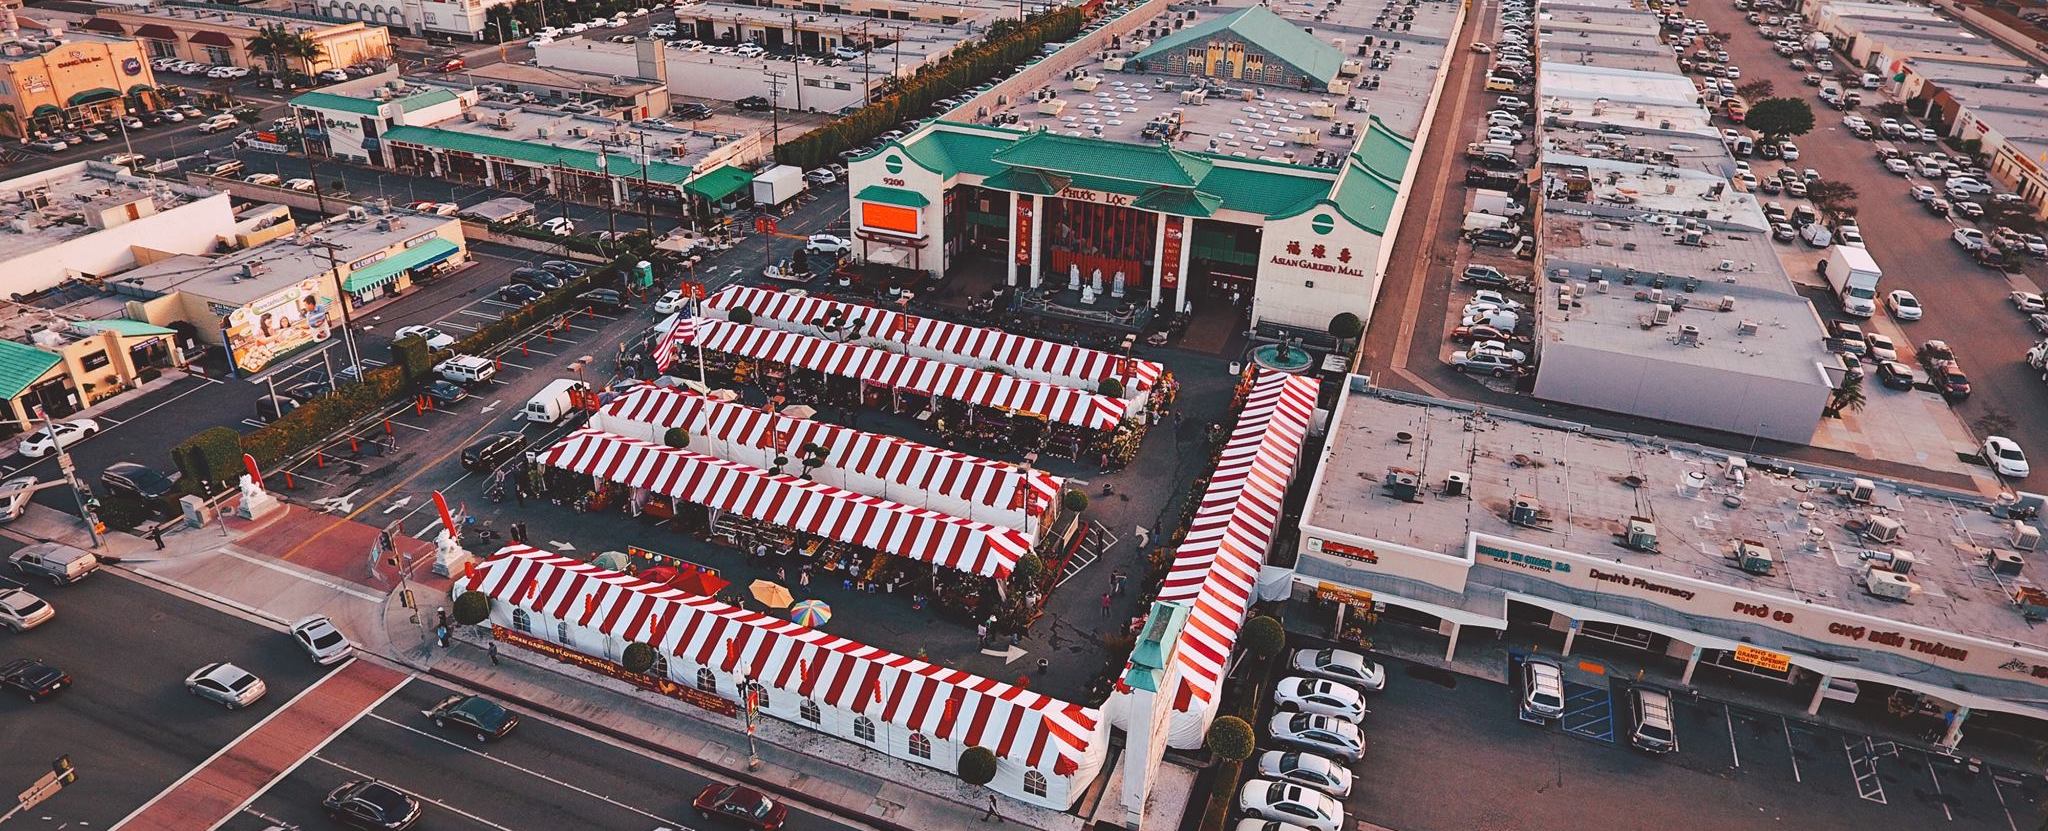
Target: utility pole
[
  {"x": 866, "y": 60},
  {"x": 312, "y": 168},
  {"x": 341, "y": 298},
  {"x": 79, "y": 491},
  {"x": 646, "y": 201},
  {"x": 796, "y": 62},
  {"x": 774, "y": 109}
]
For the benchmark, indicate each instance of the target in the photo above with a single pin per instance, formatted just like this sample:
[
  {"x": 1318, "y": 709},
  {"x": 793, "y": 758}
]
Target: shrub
[
  {"x": 413, "y": 358},
  {"x": 740, "y": 315},
  {"x": 676, "y": 437},
  {"x": 209, "y": 458},
  {"x": 1027, "y": 569},
  {"x": 1262, "y": 637},
  {"x": 1231, "y": 738},
  {"x": 977, "y": 766},
  {"x": 1075, "y": 501},
  {"x": 472, "y": 608},
  {"x": 1112, "y": 387},
  {"x": 1222, "y": 797},
  {"x": 638, "y": 658}
]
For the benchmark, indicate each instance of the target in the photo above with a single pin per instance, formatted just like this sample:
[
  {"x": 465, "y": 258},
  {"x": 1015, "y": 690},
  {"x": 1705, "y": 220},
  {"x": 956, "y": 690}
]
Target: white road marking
[
  {"x": 427, "y": 799},
  {"x": 474, "y": 313},
  {"x": 538, "y": 352},
  {"x": 338, "y": 504},
  {"x": 1789, "y": 751},
  {"x": 310, "y": 754},
  {"x": 526, "y": 770},
  {"x": 1995, "y": 788},
  {"x": 453, "y": 325},
  {"x": 558, "y": 544},
  {"x": 323, "y": 583},
  {"x": 399, "y": 504},
  {"x": 511, "y": 364},
  {"x": 1937, "y": 789},
  {"x": 1729, "y": 715},
  {"x": 491, "y": 407},
  {"x": 321, "y": 482}
]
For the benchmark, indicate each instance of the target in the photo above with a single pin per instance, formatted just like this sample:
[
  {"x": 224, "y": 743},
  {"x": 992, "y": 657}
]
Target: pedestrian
[
  {"x": 441, "y": 616},
  {"x": 1044, "y": 664},
  {"x": 1105, "y": 604},
  {"x": 441, "y": 635},
  {"x": 1176, "y": 421},
  {"x": 981, "y": 634},
  {"x": 494, "y": 652},
  {"x": 781, "y": 573},
  {"x": 156, "y": 535},
  {"x": 803, "y": 578},
  {"x": 519, "y": 493},
  {"x": 991, "y": 810}
]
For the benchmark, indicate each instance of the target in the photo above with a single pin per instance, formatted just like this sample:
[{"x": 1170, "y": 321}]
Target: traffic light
[{"x": 62, "y": 767}]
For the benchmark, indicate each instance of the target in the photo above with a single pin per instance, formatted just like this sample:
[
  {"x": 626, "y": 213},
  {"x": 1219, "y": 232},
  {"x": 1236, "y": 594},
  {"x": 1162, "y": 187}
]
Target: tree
[
  {"x": 1756, "y": 90},
  {"x": 1846, "y": 398},
  {"x": 1262, "y": 637},
  {"x": 472, "y": 608},
  {"x": 1832, "y": 197},
  {"x": 638, "y": 658},
  {"x": 676, "y": 437},
  {"x": 275, "y": 45},
  {"x": 1777, "y": 118},
  {"x": 1075, "y": 501},
  {"x": 1346, "y": 327},
  {"x": 1231, "y": 738},
  {"x": 1027, "y": 569},
  {"x": 977, "y": 765}
]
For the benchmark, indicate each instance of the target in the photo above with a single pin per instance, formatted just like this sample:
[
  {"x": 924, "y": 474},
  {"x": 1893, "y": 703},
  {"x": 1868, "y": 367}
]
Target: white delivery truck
[
  {"x": 1853, "y": 275},
  {"x": 1817, "y": 235},
  {"x": 553, "y": 403},
  {"x": 1476, "y": 221},
  {"x": 1818, "y": 43},
  {"x": 778, "y": 184},
  {"x": 1495, "y": 202}
]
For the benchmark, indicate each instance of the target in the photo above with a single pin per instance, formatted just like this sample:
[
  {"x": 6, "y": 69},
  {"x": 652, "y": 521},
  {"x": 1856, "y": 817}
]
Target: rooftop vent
[
  {"x": 1402, "y": 484},
  {"x": 1527, "y": 512}
]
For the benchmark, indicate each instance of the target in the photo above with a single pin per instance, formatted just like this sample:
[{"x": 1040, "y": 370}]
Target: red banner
[
  {"x": 1169, "y": 256},
  {"x": 1023, "y": 229},
  {"x": 680, "y": 692}
]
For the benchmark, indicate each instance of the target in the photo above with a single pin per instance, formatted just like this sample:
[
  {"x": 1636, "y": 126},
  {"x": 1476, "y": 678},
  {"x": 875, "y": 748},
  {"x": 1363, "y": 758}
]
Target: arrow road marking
[
  {"x": 561, "y": 545},
  {"x": 491, "y": 406},
  {"x": 399, "y": 504},
  {"x": 1009, "y": 654},
  {"x": 338, "y": 504}
]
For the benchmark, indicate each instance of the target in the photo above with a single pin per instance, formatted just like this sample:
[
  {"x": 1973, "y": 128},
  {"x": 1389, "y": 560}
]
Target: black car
[
  {"x": 306, "y": 390},
  {"x": 473, "y": 714},
  {"x": 563, "y": 269},
  {"x": 1496, "y": 236},
  {"x": 519, "y": 293},
  {"x": 444, "y": 392},
  {"x": 537, "y": 278},
  {"x": 606, "y": 299},
  {"x": 137, "y": 480},
  {"x": 1895, "y": 375},
  {"x": 270, "y": 408},
  {"x": 33, "y": 678},
  {"x": 493, "y": 450},
  {"x": 691, "y": 110},
  {"x": 753, "y": 102},
  {"x": 150, "y": 117},
  {"x": 368, "y": 803}
]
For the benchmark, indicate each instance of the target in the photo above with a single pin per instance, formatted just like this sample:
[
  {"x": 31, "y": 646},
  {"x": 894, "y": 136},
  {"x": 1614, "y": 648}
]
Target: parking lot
[{"x": 1448, "y": 752}]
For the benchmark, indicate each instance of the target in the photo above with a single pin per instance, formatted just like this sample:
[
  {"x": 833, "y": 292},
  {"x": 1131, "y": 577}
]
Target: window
[
  {"x": 562, "y": 632},
  {"x": 864, "y": 728},
  {"x": 660, "y": 667},
  {"x": 218, "y": 55},
  {"x": 707, "y": 681},
  {"x": 1034, "y": 783},
  {"x": 809, "y": 712},
  {"x": 920, "y": 746},
  {"x": 522, "y": 621},
  {"x": 94, "y": 360}
]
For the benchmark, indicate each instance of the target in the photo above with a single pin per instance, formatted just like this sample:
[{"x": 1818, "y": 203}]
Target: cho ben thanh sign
[{"x": 721, "y": 706}]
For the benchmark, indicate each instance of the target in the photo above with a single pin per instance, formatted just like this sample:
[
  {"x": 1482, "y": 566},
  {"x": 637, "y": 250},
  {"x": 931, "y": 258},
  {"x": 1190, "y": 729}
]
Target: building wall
[
  {"x": 1307, "y": 275},
  {"x": 1702, "y": 396},
  {"x": 192, "y": 228},
  {"x": 344, "y": 44},
  {"x": 461, "y": 18},
  {"x": 720, "y": 78},
  {"x": 895, "y": 168},
  {"x": 78, "y": 65},
  {"x": 1231, "y": 59}
]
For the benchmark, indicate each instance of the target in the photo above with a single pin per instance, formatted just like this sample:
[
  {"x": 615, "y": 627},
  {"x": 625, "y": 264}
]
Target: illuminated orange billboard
[{"x": 890, "y": 218}]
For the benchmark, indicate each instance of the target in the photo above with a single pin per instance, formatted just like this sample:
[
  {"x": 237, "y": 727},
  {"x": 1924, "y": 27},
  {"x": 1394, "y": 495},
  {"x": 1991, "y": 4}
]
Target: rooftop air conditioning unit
[
  {"x": 1861, "y": 491},
  {"x": 1883, "y": 530},
  {"x": 1754, "y": 557},
  {"x": 1457, "y": 483},
  {"x": 1642, "y": 534},
  {"x": 1886, "y": 584},
  {"x": 2024, "y": 537},
  {"x": 1402, "y": 484},
  {"x": 1526, "y": 511},
  {"x": 2005, "y": 563}
]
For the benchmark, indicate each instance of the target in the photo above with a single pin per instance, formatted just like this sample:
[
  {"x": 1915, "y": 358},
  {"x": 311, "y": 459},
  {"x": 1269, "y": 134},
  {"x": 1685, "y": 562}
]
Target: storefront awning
[
  {"x": 892, "y": 196},
  {"x": 139, "y": 89},
  {"x": 383, "y": 271},
  {"x": 91, "y": 95},
  {"x": 211, "y": 38},
  {"x": 156, "y": 31},
  {"x": 21, "y": 366},
  {"x": 46, "y": 109},
  {"x": 720, "y": 183},
  {"x": 101, "y": 24}
]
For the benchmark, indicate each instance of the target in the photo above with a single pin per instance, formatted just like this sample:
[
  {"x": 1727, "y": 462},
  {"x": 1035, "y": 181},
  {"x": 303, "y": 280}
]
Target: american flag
[{"x": 684, "y": 330}]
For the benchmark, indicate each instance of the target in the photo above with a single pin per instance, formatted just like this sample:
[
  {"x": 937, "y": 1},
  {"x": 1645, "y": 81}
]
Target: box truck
[
  {"x": 1853, "y": 275},
  {"x": 778, "y": 184},
  {"x": 553, "y": 403}
]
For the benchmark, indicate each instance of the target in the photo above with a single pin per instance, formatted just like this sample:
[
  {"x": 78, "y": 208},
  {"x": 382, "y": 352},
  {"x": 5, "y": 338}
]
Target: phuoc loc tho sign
[{"x": 721, "y": 706}]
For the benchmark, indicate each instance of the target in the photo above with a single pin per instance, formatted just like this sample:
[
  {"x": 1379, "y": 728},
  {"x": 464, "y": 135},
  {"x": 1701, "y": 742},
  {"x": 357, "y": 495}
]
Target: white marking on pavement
[
  {"x": 338, "y": 504},
  {"x": 321, "y": 482},
  {"x": 453, "y": 325},
  {"x": 561, "y": 545},
  {"x": 316, "y": 748},
  {"x": 516, "y": 366},
  {"x": 1789, "y": 751},
  {"x": 538, "y": 352},
  {"x": 399, "y": 504},
  {"x": 317, "y": 581},
  {"x": 1937, "y": 789},
  {"x": 491, "y": 407},
  {"x": 474, "y": 313},
  {"x": 1995, "y": 788},
  {"x": 1009, "y": 654},
  {"x": 526, "y": 770},
  {"x": 421, "y": 797},
  {"x": 1729, "y": 714}
]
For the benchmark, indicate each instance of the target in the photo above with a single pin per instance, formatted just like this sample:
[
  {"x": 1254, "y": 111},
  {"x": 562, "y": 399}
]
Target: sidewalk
[{"x": 831, "y": 775}]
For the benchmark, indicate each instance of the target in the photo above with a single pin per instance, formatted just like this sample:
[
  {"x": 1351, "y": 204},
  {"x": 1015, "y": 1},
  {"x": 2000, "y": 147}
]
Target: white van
[
  {"x": 467, "y": 369},
  {"x": 552, "y": 403}
]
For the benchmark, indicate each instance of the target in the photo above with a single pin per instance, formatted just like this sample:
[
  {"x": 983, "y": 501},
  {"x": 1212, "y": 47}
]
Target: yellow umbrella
[{"x": 772, "y": 595}]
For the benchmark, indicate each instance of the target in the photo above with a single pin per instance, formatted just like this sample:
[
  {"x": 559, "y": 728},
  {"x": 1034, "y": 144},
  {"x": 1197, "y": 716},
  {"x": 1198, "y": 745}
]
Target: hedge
[{"x": 1008, "y": 45}]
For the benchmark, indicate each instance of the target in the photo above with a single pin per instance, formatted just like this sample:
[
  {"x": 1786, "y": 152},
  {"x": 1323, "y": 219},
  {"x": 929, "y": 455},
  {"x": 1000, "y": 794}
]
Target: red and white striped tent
[
  {"x": 1039, "y": 360},
  {"x": 877, "y": 465},
  {"x": 1216, "y": 568},
  {"x": 1047, "y": 750},
  {"x": 792, "y": 502},
  {"x": 915, "y": 374}
]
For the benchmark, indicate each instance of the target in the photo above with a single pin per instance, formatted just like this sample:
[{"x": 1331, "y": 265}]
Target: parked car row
[{"x": 1318, "y": 709}]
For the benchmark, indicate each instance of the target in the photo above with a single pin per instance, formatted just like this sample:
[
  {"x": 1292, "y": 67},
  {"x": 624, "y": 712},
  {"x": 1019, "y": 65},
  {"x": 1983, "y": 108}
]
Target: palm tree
[
  {"x": 1847, "y": 398},
  {"x": 276, "y": 44}
]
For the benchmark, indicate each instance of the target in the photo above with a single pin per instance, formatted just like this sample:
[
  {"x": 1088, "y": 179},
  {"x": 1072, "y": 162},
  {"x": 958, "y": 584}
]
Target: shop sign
[
  {"x": 367, "y": 261},
  {"x": 680, "y": 692},
  {"x": 1023, "y": 230},
  {"x": 1899, "y": 640},
  {"x": 1319, "y": 257},
  {"x": 131, "y": 66},
  {"x": 420, "y": 240},
  {"x": 78, "y": 57},
  {"x": 1528, "y": 561},
  {"x": 894, "y": 182},
  {"x": 1344, "y": 550},
  {"x": 1169, "y": 257},
  {"x": 1355, "y": 598},
  {"x": 1097, "y": 197},
  {"x": 260, "y": 143},
  {"x": 36, "y": 83},
  {"x": 1640, "y": 583},
  {"x": 1762, "y": 658}
]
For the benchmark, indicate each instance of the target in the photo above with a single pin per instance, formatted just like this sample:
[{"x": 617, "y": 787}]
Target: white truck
[
  {"x": 1478, "y": 221},
  {"x": 778, "y": 184},
  {"x": 2037, "y": 357},
  {"x": 1853, "y": 275},
  {"x": 1817, "y": 235},
  {"x": 552, "y": 403},
  {"x": 1495, "y": 202},
  {"x": 1818, "y": 43}
]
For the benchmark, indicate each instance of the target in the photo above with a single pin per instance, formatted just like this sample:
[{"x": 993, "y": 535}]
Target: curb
[{"x": 741, "y": 776}]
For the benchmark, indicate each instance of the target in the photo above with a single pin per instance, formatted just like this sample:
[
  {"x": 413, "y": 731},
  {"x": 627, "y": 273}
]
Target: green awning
[
  {"x": 139, "y": 89},
  {"x": 91, "y": 95},
  {"x": 385, "y": 270},
  {"x": 892, "y": 196},
  {"x": 21, "y": 365},
  {"x": 46, "y": 109},
  {"x": 127, "y": 328},
  {"x": 720, "y": 183}
]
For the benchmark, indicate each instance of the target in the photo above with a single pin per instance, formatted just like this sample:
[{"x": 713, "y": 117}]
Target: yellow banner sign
[
  {"x": 1762, "y": 658},
  {"x": 1340, "y": 594}
]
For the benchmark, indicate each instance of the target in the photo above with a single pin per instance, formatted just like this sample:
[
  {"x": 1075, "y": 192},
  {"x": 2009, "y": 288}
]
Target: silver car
[
  {"x": 323, "y": 643},
  {"x": 226, "y": 684}
]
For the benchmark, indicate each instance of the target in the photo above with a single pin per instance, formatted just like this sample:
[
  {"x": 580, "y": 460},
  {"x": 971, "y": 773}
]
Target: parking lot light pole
[{"x": 79, "y": 491}]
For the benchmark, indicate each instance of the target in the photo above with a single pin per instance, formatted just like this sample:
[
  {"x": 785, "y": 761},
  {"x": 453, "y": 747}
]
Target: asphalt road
[
  {"x": 128, "y": 724},
  {"x": 541, "y": 776}
]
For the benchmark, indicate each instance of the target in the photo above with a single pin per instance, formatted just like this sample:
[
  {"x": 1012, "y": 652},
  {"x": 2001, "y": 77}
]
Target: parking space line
[
  {"x": 2000, "y": 791},
  {"x": 1864, "y": 770},
  {"x": 321, "y": 482},
  {"x": 446, "y": 323},
  {"x": 517, "y": 366},
  {"x": 475, "y": 313},
  {"x": 396, "y": 423},
  {"x": 1790, "y": 751},
  {"x": 500, "y": 303},
  {"x": 538, "y": 352},
  {"x": 1728, "y": 715},
  {"x": 526, "y": 770},
  {"x": 1938, "y": 796}
]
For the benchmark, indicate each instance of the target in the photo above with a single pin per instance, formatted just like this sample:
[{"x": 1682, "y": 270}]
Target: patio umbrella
[
  {"x": 614, "y": 560},
  {"x": 800, "y": 411},
  {"x": 771, "y": 595},
  {"x": 723, "y": 395},
  {"x": 696, "y": 581},
  {"x": 659, "y": 575},
  {"x": 812, "y": 613}
]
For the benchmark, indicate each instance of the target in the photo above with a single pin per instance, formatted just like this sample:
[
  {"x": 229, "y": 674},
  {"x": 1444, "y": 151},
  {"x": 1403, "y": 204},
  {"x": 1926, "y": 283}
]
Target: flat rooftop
[
  {"x": 1587, "y": 17},
  {"x": 914, "y": 43},
  {"x": 1943, "y": 38},
  {"x": 44, "y": 209},
  {"x": 568, "y": 79},
  {"x": 34, "y": 42},
  {"x": 1969, "y": 71},
  {"x": 277, "y": 264},
  {"x": 1591, "y": 485},
  {"x": 548, "y": 127},
  {"x": 246, "y": 18}
]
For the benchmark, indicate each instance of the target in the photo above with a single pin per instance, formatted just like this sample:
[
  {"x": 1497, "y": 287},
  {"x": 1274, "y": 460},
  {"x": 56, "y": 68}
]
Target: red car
[
  {"x": 451, "y": 65},
  {"x": 744, "y": 806}
]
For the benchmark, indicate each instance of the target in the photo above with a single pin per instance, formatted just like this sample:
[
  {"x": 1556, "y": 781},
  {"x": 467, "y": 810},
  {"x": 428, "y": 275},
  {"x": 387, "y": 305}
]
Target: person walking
[
  {"x": 991, "y": 810},
  {"x": 519, "y": 493},
  {"x": 1105, "y": 604},
  {"x": 441, "y": 635},
  {"x": 156, "y": 535},
  {"x": 803, "y": 578},
  {"x": 494, "y": 652}
]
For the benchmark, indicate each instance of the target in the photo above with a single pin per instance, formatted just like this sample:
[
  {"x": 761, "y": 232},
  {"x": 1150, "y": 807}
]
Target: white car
[
  {"x": 2004, "y": 455},
  {"x": 435, "y": 338},
  {"x": 1542, "y": 690},
  {"x": 1320, "y": 696},
  {"x": 325, "y": 644},
  {"x": 21, "y": 611},
  {"x": 263, "y": 179},
  {"x": 1340, "y": 665},
  {"x": 1322, "y": 734},
  {"x": 1899, "y": 166},
  {"x": 1880, "y": 347},
  {"x": 559, "y": 226},
  {"x": 45, "y": 441},
  {"x": 1903, "y": 304},
  {"x": 1267, "y": 799},
  {"x": 827, "y": 244},
  {"x": 306, "y": 185},
  {"x": 1499, "y": 349},
  {"x": 1970, "y": 239},
  {"x": 14, "y": 496},
  {"x": 2028, "y": 302},
  {"x": 820, "y": 176},
  {"x": 669, "y": 303},
  {"x": 1306, "y": 769},
  {"x": 226, "y": 684},
  {"x": 1256, "y": 824}
]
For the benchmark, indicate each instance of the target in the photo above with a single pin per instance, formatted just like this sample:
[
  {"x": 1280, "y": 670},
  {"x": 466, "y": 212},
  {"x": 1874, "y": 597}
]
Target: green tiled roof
[
  {"x": 330, "y": 101},
  {"x": 720, "y": 183},
  {"x": 1022, "y": 180},
  {"x": 1179, "y": 201},
  {"x": 952, "y": 152},
  {"x": 426, "y": 99},
  {"x": 431, "y": 251},
  {"x": 892, "y": 196},
  {"x": 526, "y": 151},
  {"x": 22, "y": 365},
  {"x": 1372, "y": 177},
  {"x": 1260, "y": 27},
  {"x": 128, "y": 328},
  {"x": 1148, "y": 164},
  {"x": 1384, "y": 152},
  {"x": 1264, "y": 189}
]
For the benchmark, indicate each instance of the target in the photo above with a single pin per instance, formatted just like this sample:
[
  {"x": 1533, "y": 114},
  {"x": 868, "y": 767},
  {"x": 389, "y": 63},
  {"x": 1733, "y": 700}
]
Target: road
[
  {"x": 541, "y": 776},
  {"x": 128, "y": 724}
]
